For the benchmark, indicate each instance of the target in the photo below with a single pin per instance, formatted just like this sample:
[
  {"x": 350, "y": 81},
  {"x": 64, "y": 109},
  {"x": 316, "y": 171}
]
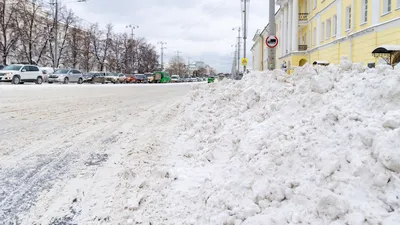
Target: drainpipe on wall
[
  {"x": 262, "y": 52},
  {"x": 351, "y": 31}
]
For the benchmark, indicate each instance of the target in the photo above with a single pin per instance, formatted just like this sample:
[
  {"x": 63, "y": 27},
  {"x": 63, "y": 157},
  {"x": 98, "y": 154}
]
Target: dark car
[
  {"x": 1, "y": 67},
  {"x": 141, "y": 78},
  {"x": 95, "y": 77}
]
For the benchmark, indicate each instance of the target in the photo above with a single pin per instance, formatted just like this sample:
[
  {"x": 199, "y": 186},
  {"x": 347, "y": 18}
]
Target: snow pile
[{"x": 319, "y": 147}]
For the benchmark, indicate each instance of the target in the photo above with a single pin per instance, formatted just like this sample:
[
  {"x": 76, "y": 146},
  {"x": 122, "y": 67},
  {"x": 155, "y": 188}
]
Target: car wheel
[
  {"x": 16, "y": 80},
  {"x": 66, "y": 80},
  {"x": 80, "y": 81},
  {"x": 50, "y": 82},
  {"x": 39, "y": 80}
]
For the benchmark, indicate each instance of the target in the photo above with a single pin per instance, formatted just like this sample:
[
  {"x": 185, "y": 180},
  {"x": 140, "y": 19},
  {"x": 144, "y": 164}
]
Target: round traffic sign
[{"x": 271, "y": 41}]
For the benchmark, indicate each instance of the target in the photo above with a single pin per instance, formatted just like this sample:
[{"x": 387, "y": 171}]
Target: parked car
[
  {"x": 161, "y": 77},
  {"x": 175, "y": 78},
  {"x": 117, "y": 78},
  {"x": 20, "y": 73},
  {"x": 199, "y": 79},
  {"x": 130, "y": 78},
  {"x": 193, "y": 79},
  {"x": 1, "y": 67},
  {"x": 140, "y": 78},
  {"x": 46, "y": 71},
  {"x": 150, "y": 77},
  {"x": 96, "y": 77},
  {"x": 187, "y": 79},
  {"x": 66, "y": 76}
]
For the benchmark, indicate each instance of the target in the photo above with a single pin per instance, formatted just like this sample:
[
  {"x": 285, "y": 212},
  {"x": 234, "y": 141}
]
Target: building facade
[
  {"x": 312, "y": 30},
  {"x": 260, "y": 50}
]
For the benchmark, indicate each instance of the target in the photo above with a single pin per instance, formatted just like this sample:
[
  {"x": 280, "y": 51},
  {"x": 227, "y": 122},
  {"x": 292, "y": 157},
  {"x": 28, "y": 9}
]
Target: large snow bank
[{"x": 319, "y": 147}]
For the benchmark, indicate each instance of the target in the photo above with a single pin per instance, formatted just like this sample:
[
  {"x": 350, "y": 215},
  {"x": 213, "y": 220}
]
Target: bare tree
[
  {"x": 87, "y": 49},
  {"x": 212, "y": 71},
  {"x": 74, "y": 47},
  {"x": 34, "y": 29},
  {"x": 176, "y": 66},
  {"x": 101, "y": 41},
  {"x": 148, "y": 58},
  {"x": 117, "y": 53},
  {"x": 9, "y": 35},
  {"x": 67, "y": 20}
]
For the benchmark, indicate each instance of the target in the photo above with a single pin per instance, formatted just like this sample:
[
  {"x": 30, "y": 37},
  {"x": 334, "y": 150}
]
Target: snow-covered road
[{"x": 62, "y": 149}]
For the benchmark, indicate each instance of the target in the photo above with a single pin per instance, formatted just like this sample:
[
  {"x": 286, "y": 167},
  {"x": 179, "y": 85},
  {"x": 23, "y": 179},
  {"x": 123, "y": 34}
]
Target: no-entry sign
[{"x": 272, "y": 41}]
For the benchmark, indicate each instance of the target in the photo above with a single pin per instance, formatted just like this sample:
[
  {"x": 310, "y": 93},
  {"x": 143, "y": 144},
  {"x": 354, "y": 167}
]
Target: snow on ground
[
  {"x": 63, "y": 149},
  {"x": 319, "y": 147}
]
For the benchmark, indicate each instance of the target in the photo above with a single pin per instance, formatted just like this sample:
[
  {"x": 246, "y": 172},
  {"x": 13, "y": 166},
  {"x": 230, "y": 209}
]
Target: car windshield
[
  {"x": 12, "y": 67},
  {"x": 175, "y": 76},
  {"x": 139, "y": 76},
  {"x": 61, "y": 72}
]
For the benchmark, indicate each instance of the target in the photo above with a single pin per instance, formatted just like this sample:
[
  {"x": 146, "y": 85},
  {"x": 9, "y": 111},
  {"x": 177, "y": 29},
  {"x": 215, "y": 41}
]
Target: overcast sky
[{"x": 200, "y": 29}]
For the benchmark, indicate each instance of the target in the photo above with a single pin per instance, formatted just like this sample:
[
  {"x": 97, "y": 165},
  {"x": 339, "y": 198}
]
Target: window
[
  {"x": 33, "y": 68},
  {"x": 315, "y": 4},
  {"x": 328, "y": 28},
  {"x": 322, "y": 31},
  {"x": 348, "y": 17},
  {"x": 387, "y": 6},
  {"x": 398, "y": 4},
  {"x": 314, "y": 40},
  {"x": 364, "y": 12},
  {"x": 334, "y": 25}
]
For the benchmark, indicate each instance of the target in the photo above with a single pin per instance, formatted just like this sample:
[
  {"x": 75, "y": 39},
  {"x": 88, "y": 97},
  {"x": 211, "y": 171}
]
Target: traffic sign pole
[{"x": 272, "y": 31}]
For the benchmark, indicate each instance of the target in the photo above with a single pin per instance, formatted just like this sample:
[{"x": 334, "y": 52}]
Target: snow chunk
[
  {"x": 332, "y": 206},
  {"x": 321, "y": 84},
  {"x": 345, "y": 63},
  {"x": 386, "y": 148},
  {"x": 392, "y": 119}
]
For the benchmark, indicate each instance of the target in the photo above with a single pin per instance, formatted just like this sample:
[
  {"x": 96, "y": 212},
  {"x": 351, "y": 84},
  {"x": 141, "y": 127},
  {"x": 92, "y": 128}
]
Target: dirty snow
[{"x": 319, "y": 147}]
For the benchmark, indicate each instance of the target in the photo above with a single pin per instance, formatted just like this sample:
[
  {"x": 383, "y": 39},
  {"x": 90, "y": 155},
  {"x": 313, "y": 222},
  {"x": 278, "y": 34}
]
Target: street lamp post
[
  {"x": 133, "y": 27},
  {"x": 238, "y": 48},
  {"x": 245, "y": 2},
  {"x": 55, "y": 3},
  {"x": 179, "y": 62},
  {"x": 162, "y": 53}
]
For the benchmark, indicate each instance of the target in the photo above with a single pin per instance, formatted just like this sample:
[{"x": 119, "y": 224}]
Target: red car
[{"x": 130, "y": 79}]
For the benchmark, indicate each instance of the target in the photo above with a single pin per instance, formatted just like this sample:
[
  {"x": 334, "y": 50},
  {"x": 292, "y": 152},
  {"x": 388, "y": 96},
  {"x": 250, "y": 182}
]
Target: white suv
[{"x": 19, "y": 73}]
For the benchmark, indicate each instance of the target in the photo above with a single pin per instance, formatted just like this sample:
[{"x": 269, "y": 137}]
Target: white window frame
[
  {"x": 315, "y": 4},
  {"x": 314, "y": 37},
  {"x": 348, "y": 17},
  {"x": 387, "y": 8},
  {"x": 334, "y": 22},
  {"x": 322, "y": 31},
  {"x": 328, "y": 28},
  {"x": 364, "y": 12},
  {"x": 398, "y": 4}
]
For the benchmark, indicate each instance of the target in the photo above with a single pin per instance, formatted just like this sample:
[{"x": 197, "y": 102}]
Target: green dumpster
[{"x": 211, "y": 79}]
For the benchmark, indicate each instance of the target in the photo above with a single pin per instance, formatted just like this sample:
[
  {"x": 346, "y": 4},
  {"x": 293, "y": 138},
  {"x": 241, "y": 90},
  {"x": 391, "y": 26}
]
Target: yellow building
[{"x": 325, "y": 30}]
